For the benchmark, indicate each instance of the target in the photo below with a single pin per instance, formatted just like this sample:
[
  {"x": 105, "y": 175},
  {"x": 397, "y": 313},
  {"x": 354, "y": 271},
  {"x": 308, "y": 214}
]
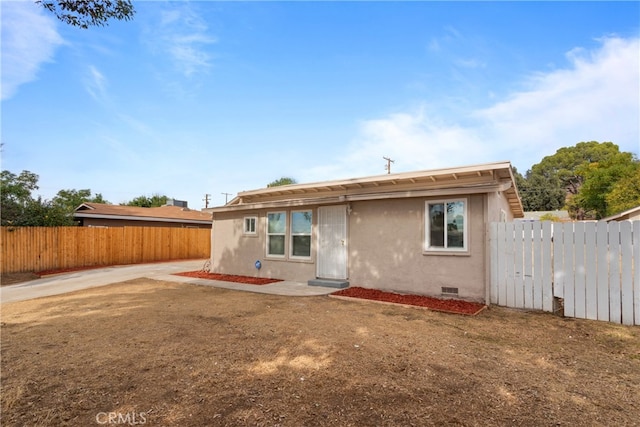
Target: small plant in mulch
[
  {"x": 436, "y": 304},
  {"x": 229, "y": 278}
]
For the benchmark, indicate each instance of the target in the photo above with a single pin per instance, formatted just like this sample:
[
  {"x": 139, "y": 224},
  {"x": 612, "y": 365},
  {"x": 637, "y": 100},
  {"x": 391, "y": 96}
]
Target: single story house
[
  {"x": 105, "y": 215},
  {"x": 420, "y": 232},
  {"x": 632, "y": 214}
]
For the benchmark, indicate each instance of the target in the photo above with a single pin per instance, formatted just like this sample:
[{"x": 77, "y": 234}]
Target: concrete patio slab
[
  {"x": 77, "y": 280},
  {"x": 286, "y": 288}
]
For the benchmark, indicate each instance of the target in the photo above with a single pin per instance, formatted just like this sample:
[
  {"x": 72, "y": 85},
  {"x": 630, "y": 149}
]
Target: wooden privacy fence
[
  {"x": 593, "y": 267},
  {"x": 52, "y": 248}
]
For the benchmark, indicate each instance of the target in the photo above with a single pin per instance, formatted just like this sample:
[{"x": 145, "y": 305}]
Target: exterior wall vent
[{"x": 449, "y": 291}]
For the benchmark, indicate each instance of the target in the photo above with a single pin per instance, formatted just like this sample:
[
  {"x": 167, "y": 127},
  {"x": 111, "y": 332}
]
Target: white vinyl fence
[{"x": 593, "y": 267}]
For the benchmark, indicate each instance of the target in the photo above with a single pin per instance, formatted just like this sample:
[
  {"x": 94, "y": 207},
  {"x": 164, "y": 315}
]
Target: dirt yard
[{"x": 168, "y": 354}]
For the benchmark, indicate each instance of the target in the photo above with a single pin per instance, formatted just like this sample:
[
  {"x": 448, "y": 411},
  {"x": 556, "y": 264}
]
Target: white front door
[{"x": 332, "y": 242}]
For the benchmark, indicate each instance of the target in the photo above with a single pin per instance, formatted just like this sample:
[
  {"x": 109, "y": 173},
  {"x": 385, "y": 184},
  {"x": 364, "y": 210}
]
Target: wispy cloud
[
  {"x": 183, "y": 36},
  {"x": 595, "y": 98},
  {"x": 417, "y": 139},
  {"x": 470, "y": 63},
  {"x": 96, "y": 85},
  {"x": 450, "y": 36},
  {"x": 29, "y": 39}
]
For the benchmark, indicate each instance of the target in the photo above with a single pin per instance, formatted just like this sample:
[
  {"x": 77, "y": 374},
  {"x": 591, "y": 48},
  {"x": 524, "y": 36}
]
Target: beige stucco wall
[
  {"x": 385, "y": 246},
  {"x": 233, "y": 252},
  {"x": 498, "y": 202},
  {"x": 386, "y": 250}
]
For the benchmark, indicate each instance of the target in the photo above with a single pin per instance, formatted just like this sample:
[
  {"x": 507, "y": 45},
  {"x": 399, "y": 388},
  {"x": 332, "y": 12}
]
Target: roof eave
[
  {"x": 437, "y": 182},
  {"x": 140, "y": 218},
  {"x": 381, "y": 179},
  {"x": 389, "y": 195},
  {"x": 621, "y": 214}
]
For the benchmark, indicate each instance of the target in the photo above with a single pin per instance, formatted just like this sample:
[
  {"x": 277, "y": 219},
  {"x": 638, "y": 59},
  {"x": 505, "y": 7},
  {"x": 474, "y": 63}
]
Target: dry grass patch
[{"x": 179, "y": 354}]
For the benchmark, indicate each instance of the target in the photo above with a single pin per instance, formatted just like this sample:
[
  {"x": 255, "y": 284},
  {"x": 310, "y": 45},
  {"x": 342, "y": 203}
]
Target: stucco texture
[
  {"x": 233, "y": 252},
  {"x": 387, "y": 250},
  {"x": 385, "y": 246}
]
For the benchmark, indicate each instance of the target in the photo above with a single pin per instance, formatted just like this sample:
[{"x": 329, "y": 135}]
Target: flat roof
[{"x": 473, "y": 179}]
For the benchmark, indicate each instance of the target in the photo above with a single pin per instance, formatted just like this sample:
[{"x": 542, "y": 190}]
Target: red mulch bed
[
  {"x": 444, "y": 305},
  {"x": 229, "y": 278}
]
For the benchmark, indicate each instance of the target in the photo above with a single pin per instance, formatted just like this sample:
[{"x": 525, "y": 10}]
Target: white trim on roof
[
  {"x": 621, "y": 214},
  {"x": 440, "y": 192},
  {"x": 408, "y": 177},
  {"x": 483, "y": 178}
]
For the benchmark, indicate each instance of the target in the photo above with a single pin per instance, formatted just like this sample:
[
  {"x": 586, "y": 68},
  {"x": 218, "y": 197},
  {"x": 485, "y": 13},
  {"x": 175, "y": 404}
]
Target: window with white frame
[
  {"x": 446, "y": 225},
  {"x": 276, "y": 231},
  {"x": 250, "y": 224},
  {"x": 301, "y": 234}
]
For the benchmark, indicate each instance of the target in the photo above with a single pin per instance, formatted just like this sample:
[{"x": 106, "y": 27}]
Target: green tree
[
  {"x": 282, "y": 181},
  {"x": 18, "y": 187},
  {"x": 15, "y": 194},
  {"x": 69, "y": 200},
  {"x": 520, "y": 180},
  {"x": 542, "y": 194},
  {"x": 567, "y": 161},
  {"x": 19, "y": 208},
  {"x": 625, "y": 194},
  {"x": 86, "y": 13},
  {"x": 558, "y": 179},
  {"x": 43, "y": 213},
  {"x": 154, "y": 201},
  {"x": 599, "y": 180},
  {"x": 99, "y": 199}
]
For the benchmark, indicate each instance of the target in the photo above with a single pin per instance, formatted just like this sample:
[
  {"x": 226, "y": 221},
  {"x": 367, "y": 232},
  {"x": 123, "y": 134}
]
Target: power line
[{"x": 388, "y": 165}]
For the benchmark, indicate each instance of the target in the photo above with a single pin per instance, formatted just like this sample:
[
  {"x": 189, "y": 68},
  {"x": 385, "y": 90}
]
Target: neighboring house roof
[
  {"x": 475, "y": 179},
  {"x": 134, "y": 213},
  {"x": 629, "y": 214}
]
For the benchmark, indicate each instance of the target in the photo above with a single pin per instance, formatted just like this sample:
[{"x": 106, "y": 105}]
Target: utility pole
[
  {"x": 388, "y": 165},
  {"x": 206, "y": 200},
  {"x": 226, "y": 197}
]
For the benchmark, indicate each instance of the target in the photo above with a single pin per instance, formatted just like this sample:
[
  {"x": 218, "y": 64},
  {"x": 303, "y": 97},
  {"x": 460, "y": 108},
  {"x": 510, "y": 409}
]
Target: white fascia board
[
  {"x": 381, "y": 179},
  {"x": 440, "y": 192},
  {"x": 621, "y": 214}
]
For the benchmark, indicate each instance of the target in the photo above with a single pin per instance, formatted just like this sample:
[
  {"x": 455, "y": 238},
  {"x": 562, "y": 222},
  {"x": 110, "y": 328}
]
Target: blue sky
[{"x": 191, "y": 98}]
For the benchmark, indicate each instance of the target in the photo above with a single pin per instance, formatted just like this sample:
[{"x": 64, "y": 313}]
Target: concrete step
[{"x": 329, "y": 283}]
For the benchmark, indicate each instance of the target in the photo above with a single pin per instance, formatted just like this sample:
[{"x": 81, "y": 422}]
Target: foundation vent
[{"x": 449, "y": 291}]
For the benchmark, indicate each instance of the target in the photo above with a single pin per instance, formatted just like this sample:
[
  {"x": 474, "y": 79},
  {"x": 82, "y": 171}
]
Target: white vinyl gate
[{"x": 594, "y": 267}]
